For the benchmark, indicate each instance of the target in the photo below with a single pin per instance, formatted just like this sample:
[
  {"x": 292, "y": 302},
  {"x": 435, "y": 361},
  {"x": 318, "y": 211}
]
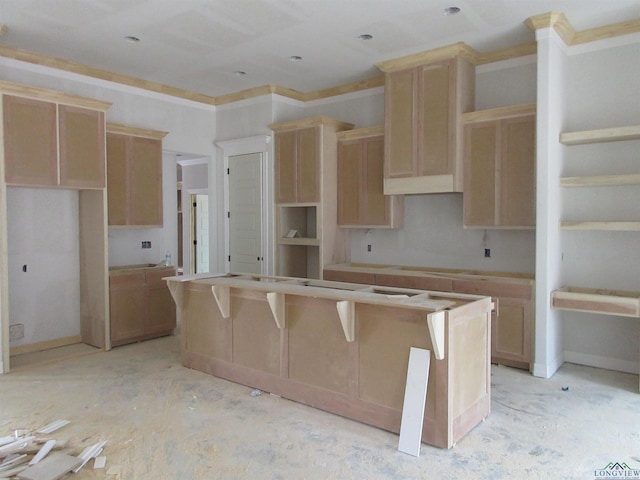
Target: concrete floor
[{"x": 163, "y": 421}]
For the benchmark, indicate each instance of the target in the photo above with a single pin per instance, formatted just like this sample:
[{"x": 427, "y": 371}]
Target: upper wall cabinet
[
  {"x": 423, "y": 136},
  {"x": 134, "y": 176},
  {"x": 499, "y": 166},
  {"x": 361, "y": 200},
  {"x": 53, "y": 140}
]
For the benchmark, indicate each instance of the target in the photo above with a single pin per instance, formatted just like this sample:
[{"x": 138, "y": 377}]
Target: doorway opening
[{"x": 199, "y": 257}]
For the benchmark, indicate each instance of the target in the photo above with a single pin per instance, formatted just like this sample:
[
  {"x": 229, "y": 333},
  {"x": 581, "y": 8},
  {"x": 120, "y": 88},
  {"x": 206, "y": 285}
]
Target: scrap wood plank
[
  {"x": 53, "y": 467},
  {"x": 415, "y": 396},
  {"x": 43, "y": 452}
]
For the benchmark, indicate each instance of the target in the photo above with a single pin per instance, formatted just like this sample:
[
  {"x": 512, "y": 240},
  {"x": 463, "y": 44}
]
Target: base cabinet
[
  {"x": 512, "y": 322},
  {"x": 141, "y": 306}
]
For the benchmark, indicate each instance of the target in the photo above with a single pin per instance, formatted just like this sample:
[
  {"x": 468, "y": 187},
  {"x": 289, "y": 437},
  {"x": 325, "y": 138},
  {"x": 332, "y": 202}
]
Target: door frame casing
[{"x": 242, "y": 146}]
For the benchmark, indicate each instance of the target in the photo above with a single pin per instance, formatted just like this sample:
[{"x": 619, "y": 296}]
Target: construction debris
[{"x": 26, "y": 455}]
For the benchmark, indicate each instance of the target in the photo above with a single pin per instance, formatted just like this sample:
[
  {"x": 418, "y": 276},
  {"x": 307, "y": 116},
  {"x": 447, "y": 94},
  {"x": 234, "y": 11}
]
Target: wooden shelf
[
  {"x": 601, "y": 181},
  {"x": 606, "y": 302},
  {"x": 601, "y": 135},
  {"x": 601, "y": 225},
  {"x": 314, "y": 242}
]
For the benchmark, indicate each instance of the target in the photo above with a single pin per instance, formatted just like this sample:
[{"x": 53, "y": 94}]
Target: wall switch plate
[
  {"x": 146, "y": 244},
  {"x": 369, "y": 248},
  {"x": 16, "y": 332}
]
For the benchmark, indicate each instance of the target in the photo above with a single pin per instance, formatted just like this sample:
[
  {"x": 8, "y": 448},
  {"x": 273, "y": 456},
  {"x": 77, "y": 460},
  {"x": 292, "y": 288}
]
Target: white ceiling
[{"x": 196, "y": 45}]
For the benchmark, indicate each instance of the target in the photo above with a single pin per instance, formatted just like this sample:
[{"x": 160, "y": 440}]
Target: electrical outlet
[
  {"x": 369, "y": 248},
  {"x": 487, "y": 252},
  {"x": 16, "y": 332},
  {"x": 146, "y": 244}
]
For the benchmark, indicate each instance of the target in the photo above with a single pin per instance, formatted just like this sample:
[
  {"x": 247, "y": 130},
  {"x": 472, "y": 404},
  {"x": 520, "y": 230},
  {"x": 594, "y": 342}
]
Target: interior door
[
  {"x": 200, "y": 233},
  {"x": 245, "y": 213}
]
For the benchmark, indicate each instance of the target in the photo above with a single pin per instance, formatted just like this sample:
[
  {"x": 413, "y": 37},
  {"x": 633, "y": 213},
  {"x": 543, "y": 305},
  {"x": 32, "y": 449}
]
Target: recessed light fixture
[
  {"x": 365, "y": 36},
  {"x": 132, "y": 39},
  {"x": 451, "y": 10},
  {"x": 239, "y": 73},
  {"x": 295, "y": 58}
]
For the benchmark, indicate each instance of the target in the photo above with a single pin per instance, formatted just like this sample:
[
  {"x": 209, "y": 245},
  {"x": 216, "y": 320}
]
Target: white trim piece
[
  {"x": 435, "y": 321},
  {"x": 551, "y": 34},
  {"x": 89, "y": 453},
  {"x": 292, "y": 102},
  {"x": 52, "y": 427},
  {"x": 100, "y": 462},
  {"x": 16, "y": 446},
  {"x": 193, "y": 161},
  {"x": 276, "y": 303},
  {"x": 244, "y": 145},
  {"x": 598, "y": 361},
  {"x": 43, "y": 452},
  {"x": 415, "y": 397},
  {"x": 548, "y": 369},
  {"x": 12, "y": 462},
  {"x": 347, "y": 314}
]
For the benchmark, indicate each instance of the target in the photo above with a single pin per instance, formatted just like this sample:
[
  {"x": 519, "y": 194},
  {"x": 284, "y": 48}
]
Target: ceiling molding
[
  {"x": 570, "y": 36},
  {"x": 135, "y": 131},
  {"x": 554, "y": 20}
]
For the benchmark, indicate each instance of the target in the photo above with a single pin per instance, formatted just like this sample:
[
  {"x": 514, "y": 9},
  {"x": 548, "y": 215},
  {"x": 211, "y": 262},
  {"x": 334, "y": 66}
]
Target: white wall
[
  {"x": 43, "y": 235},
  {"x": 602, "y": 90}
]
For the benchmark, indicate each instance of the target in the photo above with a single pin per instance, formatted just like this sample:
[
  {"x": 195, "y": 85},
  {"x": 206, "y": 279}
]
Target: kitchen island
[{"x": 342, "y": 347}]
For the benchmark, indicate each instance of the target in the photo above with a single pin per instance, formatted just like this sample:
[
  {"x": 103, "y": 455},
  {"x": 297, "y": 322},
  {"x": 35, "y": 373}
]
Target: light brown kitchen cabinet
[
  {"x": 512, "y": 321},
  {"x": 297, "y": 166},
  {"x": 306, "y": 176},
  {"x": 361, "y": 199},
  {"x": 53, "y": 144},
  {"x": 499, "y": 164},
  {"x": 423, "y": 136},
  {"x": 134, "y": 176},
  {"x": 141, "y": 306}
]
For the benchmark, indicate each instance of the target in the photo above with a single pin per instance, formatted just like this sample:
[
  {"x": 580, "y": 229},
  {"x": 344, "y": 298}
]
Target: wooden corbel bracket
[
  {"x": 435, "y": 321},
  {"x": 222, "y": 295},
  {"x": 276, "y": 303},
  {"x": 347, "y": 314}
]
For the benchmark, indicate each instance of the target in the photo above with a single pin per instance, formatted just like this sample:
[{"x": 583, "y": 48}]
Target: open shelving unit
[{"x": 603, "y": 135}]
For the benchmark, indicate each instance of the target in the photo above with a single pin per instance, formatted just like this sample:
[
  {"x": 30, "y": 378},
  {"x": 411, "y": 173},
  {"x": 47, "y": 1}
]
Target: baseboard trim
[
  {"x": 608, "y": 363},
  {"x": 45, "y": 345}
]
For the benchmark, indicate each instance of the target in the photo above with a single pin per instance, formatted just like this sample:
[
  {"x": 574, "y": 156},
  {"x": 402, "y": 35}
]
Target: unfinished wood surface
[
  {"x": 318, "y": 350},
  {"x": 45, "y": 345},
  {"x": 27, "y": 91},
  {"x": 276, "y": 303},
  {"x": 127, "y": 306},
  {"x": 118, "y": 178},
  {"x": 145, "y": 189},
  {"x": 499, "y": 164},
  {"x": 256, "y": 338},
  {"x": 608, "y": 302},
  {"x": 222, "y": 296},
  {"x": 94, "y": 270},
  {"x": 135, "y": 131},
  {"x": 511, "y": 333},
  {"x": 423, "y": 136},
  {"x": 436, "y": 324},
  {"x": 601, "y": 135},
  {"x": 361, "y": 199},
  {"x": 82, "y": 147},
  {"x": 363, "y": 379},
  {"x": 605, "y": 225},
  {"x": 428, "y": 56},
  {"x": 500, "y": 113},
  {"x": 601, "y": 180},
  {"x": 161, "y": 311},
  {"x": 30, "y": 141},
  {"x": 415, "y": 394},
  {"x": 285, "y": 167}
]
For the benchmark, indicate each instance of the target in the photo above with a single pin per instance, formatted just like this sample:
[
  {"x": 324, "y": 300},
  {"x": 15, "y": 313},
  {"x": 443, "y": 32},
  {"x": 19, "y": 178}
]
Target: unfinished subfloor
[{"x": 164, "y": 421}]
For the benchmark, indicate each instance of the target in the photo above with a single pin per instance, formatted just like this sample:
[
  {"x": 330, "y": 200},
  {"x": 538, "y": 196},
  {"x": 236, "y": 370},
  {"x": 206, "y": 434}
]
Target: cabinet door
[
  {"x": 400, "y": 120},
  {"x": 161, "y": 310},
  {"x": 117, "y": 178},
  {"x": 308, "y": 165},
  {"x": 349, "y": 173},
  {"x": 145, "y": 189},
  {"x": 511, "y": 333},
  {"x": 481, "y": 156},
  {"x": 30, "y": 141},
  {"x": 127, "y": 307},
  {"x": 435, "y": 100},
  {"x": 82, "y": 147},
  {"x": 375, "y": 206},
  {"x": 285, "y": 167},
  {"x": 517, "y": 172}
]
